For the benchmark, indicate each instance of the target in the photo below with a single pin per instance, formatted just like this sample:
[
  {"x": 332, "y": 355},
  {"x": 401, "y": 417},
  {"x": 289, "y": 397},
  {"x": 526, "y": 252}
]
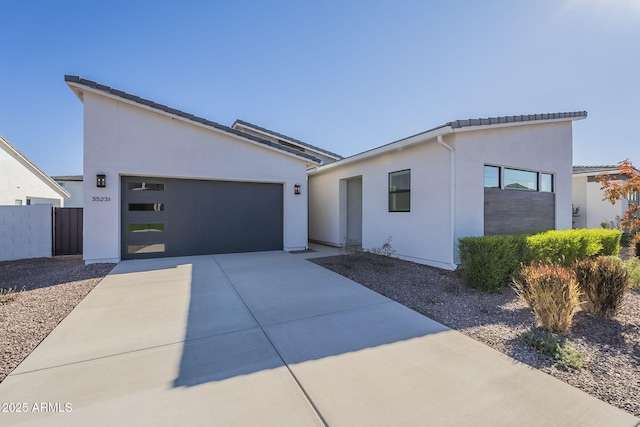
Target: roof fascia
[
  {"x": 394, "y": 146},
  {"x": 33, "y": 168},
  {"x": 78, "y": 89},
  {"x": 509, "y": 124}
]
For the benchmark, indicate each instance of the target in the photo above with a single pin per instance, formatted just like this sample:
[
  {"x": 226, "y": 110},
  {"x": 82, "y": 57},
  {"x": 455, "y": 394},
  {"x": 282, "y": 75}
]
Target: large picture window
[
  {"x": 518, "y": 179},
  {"x": 400, "y": 191}
]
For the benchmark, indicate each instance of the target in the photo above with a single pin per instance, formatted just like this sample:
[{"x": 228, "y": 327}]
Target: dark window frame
[{"x": 394, "y": 192}]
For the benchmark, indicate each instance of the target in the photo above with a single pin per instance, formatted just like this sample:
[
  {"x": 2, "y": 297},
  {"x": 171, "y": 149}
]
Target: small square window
[
  {"x": 18, "y": 202},
  {"x": 400, "y": 191}
]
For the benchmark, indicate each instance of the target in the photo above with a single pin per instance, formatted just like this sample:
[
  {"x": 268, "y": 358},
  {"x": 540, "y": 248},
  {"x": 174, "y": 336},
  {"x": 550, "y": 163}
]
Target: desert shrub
[
  {"x": 633, "y": 269},
  {"x": 603, "y": 282},
  {"x": 566, "y": 357},
  {"x": 489, "y": 262},
  {"x": 552, "y": 292},
  {"x": 567, "y": 246}
]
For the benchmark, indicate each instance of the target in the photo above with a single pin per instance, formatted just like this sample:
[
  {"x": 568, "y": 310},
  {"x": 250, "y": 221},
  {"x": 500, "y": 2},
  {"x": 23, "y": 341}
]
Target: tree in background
[{"x": 625, "y": 185}]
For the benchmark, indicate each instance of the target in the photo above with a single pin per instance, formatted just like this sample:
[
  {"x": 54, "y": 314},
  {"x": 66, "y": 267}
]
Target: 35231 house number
[{"x": 101, "y": 199}]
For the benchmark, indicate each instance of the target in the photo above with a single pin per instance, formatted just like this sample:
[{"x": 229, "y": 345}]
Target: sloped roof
[
  {"x": 13, "y": 151},
  {"x": 285, "y": 137},
  {"x": 457, "y": 126},
  {"x": 77, "y": 80},
  {"x": 594, "y": 169}
]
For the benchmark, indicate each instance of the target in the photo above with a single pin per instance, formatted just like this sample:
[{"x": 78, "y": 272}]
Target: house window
[
  {"x": 491, "y": 177},
  {"x": 546, "y": 182},
  {"x": 634, "y": 198},
  {"x": 400, "y": 191},
  {"x": 515, "y": 179},
  {"x": 18, "y": 202}
]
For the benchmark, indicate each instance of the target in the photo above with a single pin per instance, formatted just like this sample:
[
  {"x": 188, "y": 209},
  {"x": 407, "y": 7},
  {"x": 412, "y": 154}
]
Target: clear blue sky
[{"x": 343, "y": 75}]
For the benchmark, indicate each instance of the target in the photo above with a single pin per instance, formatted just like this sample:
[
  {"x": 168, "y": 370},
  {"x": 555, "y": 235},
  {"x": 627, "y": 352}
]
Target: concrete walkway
[{"x": 270, "y": 339}]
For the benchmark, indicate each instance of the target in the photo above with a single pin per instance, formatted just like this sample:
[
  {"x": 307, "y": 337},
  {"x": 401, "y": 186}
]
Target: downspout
[{"x": 452, "y": 203}]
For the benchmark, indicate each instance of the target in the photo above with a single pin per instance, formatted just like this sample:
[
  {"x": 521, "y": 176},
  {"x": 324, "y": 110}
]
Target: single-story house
[
  {"x": 162, "y": 182},
  {"x": 465, "y": 178},
  {"x": 73, "y": 185},
  {"x": 587, "y": 198},
  {"x": 24, "y": 183}
]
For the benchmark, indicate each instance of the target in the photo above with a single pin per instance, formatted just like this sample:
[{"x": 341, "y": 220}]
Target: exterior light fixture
[
  {"x": 101, "y": 180},
  {"x": 296, "y": 189}
]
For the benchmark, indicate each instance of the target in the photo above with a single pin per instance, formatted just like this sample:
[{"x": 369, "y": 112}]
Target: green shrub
[
  {"x": 490, "y": 262},
  {"x": 567, "y": 246},
  {"x": 565, "y": 355},
  {"x": 633, "y": 269},
  {"x": 552, "y": 292},
  {"x": 603, "y": 282}
]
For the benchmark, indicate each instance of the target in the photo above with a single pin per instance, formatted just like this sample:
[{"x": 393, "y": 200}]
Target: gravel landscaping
[
  {"x": 612, "y": 347},
  {"x": 35, "y": 295}
]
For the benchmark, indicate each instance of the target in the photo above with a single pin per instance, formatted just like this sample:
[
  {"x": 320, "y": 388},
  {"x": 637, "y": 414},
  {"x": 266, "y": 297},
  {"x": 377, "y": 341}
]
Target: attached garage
[
  {"x": 167, "y": 183},
  {"x": 178, "y": 217}
]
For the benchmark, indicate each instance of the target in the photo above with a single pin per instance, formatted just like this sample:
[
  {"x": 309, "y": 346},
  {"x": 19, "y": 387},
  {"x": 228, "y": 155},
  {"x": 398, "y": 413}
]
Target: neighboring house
[
  {"x": 162, "y": 182},
  {"x": 73, "y": 185},
  {"x": 588, "y": 198},
  {"x": 23, "y": 183},
  {"x": 465, "y": 178}
]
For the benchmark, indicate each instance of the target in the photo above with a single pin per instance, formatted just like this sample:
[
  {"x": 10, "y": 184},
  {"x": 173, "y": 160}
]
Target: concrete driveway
[{"x": 272, "y": 339}]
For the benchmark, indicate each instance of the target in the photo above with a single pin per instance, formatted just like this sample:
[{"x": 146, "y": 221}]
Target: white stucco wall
[
  {"x": 18, "y": 182},
  {"x": 424, "y": 234},
  {"x": 593, "y": 210},
  {"x": 75, "y": 189},
  {"x": 122, "y": 139},
  {"x": 26, "y": 232},
  {"x": 541, "y": 147},
  {"x": 421, "y": 235}
]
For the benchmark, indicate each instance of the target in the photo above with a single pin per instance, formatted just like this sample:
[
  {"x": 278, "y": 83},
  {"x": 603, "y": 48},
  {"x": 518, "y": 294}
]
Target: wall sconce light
[
  {"x": 296, "y": 189},
  {"x": 101, "y": 180}
]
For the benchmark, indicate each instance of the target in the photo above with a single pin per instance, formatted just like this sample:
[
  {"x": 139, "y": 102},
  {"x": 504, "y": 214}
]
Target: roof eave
[
  {"x": 34, "y": 169},
  {"x": 394, "y": 146},
  {"x": 511, "y": 124}
]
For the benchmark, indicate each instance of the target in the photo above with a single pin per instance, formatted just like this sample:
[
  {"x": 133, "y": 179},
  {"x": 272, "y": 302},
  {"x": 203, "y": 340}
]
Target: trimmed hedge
[{"x": 490, "y": 262}]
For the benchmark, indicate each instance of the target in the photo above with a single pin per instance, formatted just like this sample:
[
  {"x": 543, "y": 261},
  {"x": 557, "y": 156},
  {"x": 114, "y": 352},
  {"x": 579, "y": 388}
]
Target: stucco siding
[
  {"x": 18, "y": 182},
  {"x": 121, "y": 139},
  {"x": 422, "y": 235},
  {"x": 543, "y": 147},
  {"x": 588, "y": 196}
]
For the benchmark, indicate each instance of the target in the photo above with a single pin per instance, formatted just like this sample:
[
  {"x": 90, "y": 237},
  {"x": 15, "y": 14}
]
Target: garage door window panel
[
  {"x": 146, "y": 207},
  {"x": 145, "y": 186}
]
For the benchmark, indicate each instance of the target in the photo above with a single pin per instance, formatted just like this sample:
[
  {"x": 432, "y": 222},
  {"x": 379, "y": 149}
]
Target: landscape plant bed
[
  {"x": 611, "y": 347},
  {"x": 35, "y": 295}
]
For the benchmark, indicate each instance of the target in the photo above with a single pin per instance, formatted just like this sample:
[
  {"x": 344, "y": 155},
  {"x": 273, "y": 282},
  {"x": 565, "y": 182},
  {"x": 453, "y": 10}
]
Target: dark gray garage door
[{"x": 174, "y": 217}]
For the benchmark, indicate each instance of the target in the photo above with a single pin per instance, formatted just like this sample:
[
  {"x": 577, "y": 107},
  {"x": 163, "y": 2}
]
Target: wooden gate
[{"x": 67, "y": 231}]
